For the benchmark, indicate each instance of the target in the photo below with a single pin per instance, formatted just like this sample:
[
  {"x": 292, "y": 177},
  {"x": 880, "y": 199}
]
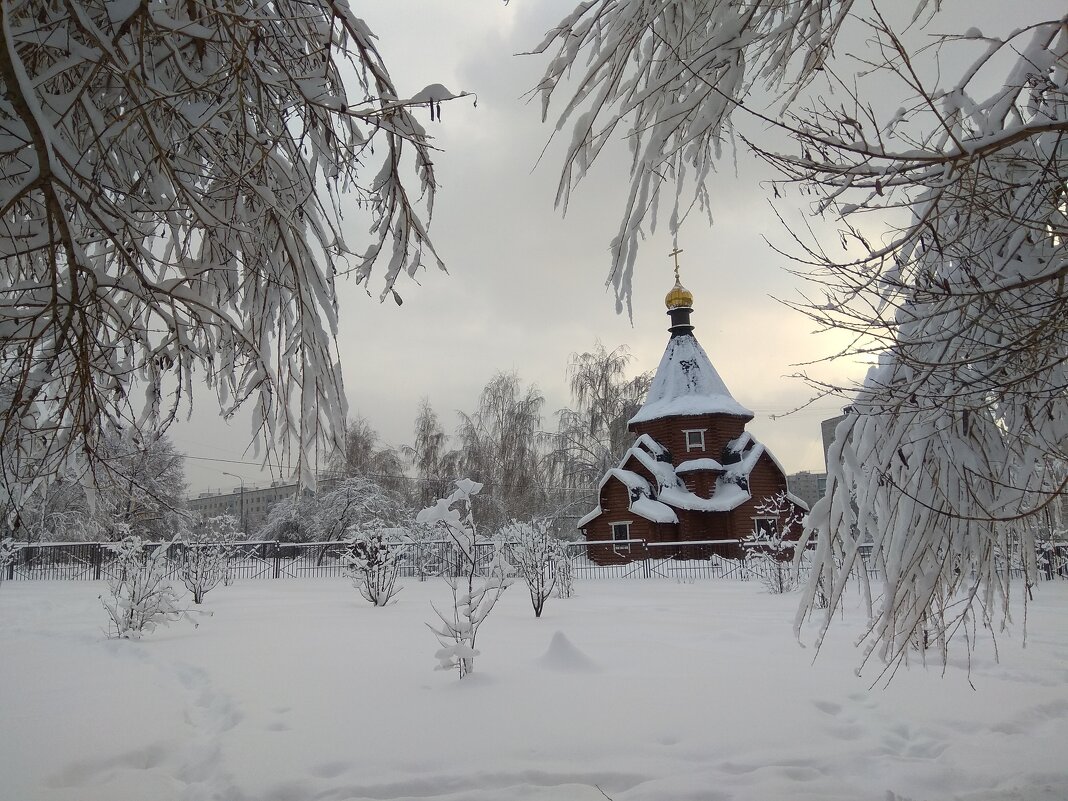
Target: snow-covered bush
[
  {"x": 371, "y": 563},
  {"x": 422, "y": 549},
  {"x": 140, "y": 597},
  {"x": 769, "y": 549},
  {"x": 563, "y": 570},
  {"x": 473, "y": 595},
  {"x": 1050, "y": 557},
  {"x": 533, "y": 548},
  {"x": 209, "y": 546},
  {"x": 8, "y": 553}
]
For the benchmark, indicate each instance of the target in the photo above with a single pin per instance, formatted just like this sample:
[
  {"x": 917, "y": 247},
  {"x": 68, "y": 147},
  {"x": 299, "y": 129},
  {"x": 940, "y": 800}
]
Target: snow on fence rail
[{"x": 269, "y": 559}]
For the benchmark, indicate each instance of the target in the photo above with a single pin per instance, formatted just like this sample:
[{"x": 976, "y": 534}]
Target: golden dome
[{"x": 679, "y": 297}]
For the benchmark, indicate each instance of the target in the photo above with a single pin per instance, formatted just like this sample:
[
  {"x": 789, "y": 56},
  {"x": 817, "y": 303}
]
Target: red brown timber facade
[{"x": 694, "y": 474}]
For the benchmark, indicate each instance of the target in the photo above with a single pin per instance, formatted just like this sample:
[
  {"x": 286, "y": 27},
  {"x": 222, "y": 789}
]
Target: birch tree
[
  {"x": 501, "y": 447},
  {"x": 592, "y": 436},
  {"x": 363, "y": 457},
  {"x": 135, "y": 484},
  {"x": 173, "y": 176},
  {"x": 429, "y": 454}
]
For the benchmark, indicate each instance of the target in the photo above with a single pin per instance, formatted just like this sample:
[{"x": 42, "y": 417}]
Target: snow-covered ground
[{"x": 300, "y": 691}]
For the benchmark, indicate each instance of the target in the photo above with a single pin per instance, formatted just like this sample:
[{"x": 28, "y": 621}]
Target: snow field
[{"x": 299, "y": 690}]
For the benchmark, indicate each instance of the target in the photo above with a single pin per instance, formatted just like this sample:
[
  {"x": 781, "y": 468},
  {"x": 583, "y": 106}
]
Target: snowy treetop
[{"x": 686, "y": 383}]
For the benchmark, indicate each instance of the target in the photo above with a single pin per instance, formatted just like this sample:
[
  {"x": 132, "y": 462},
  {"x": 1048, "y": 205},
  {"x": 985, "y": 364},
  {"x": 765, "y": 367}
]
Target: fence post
[
  {"x": 277, "y": 560},
  {"x": 97, "y": 558},
  {"x": 645, "y": 561}
]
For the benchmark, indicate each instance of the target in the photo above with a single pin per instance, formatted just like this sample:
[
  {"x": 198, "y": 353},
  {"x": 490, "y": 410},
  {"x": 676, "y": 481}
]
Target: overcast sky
[{"x": 526, "y": 286}]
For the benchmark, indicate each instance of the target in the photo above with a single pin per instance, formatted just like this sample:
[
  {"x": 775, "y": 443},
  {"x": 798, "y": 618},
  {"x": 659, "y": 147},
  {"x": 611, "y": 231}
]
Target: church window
[
  {"x": 765, "y": 527},
  {"x": 621, "y": 531},
  {"x": 695, "y": 439}
]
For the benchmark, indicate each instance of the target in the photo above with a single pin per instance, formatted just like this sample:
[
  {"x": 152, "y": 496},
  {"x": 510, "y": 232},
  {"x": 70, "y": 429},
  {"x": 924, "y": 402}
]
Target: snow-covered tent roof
[{"x": 686, "y": 383}]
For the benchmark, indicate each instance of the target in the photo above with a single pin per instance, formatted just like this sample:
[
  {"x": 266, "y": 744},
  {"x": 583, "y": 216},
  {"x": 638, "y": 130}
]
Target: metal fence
[{"x": 682, "y": 561}]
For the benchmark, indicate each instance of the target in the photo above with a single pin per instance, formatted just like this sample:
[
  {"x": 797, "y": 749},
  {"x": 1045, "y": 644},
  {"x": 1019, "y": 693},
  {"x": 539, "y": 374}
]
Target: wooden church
[{"x": 693, "y": 474}]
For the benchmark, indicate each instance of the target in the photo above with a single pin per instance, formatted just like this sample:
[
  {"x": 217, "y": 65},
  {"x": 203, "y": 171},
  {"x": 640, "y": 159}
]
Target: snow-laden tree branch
[
  {"x": 173, "y": 177},
  {"x": 954, "y": 273},
  {"x": 669, "y": 75},
  {"x": 957, "y": 442}
]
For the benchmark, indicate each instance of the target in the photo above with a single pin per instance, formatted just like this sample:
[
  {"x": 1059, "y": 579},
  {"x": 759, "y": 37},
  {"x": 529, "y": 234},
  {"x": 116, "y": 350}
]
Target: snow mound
[{"x": 563, "y": 656}]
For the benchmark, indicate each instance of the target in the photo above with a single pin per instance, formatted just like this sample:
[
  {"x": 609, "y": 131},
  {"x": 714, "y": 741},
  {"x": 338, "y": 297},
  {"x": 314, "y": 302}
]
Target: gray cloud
[{"x": 526, "y": 286}]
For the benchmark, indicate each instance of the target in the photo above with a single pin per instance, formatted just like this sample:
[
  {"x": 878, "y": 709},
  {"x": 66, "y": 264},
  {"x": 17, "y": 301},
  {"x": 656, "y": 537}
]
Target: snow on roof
[
  {"x": 662, "y": 471},
  {"x": 698, "y": 464},
  {"x": 628, "y": 478},
  {"x": 593, "y": 515},
  {"x": 650, "y": 444},
  {"x": 740, "y": 443},
  {"x": 727, "y": 496},
  {"x": 743, "y": 468},
  {"x": 686, "y": 383},
  {"x": 653, "y": 510},
  {"x": 640, "y": 501},
  {"x": 658, "y": 505},
  {"x": 797, "y": 501}
]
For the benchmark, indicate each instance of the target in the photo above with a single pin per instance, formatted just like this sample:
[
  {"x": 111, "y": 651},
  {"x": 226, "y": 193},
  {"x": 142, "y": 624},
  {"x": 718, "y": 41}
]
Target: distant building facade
[
  {"x": 250, "y": 505},
  {"x": 807, "y": 486}
]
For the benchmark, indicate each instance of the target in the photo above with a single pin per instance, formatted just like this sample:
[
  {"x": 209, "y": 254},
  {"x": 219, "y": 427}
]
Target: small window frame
[
  {"x": 699, "y": 445},
  {"x": 614, "y": 529},
  {"x": 766, "y": 532}
]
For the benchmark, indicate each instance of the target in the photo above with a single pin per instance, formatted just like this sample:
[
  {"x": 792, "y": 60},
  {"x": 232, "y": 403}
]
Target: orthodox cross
[{"x": 676, "y": 253}]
